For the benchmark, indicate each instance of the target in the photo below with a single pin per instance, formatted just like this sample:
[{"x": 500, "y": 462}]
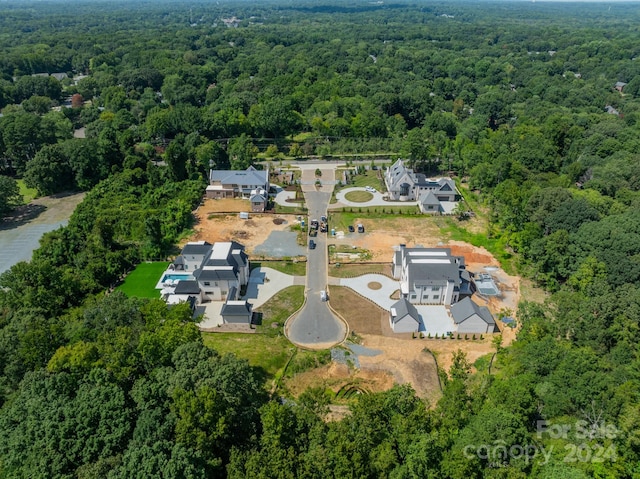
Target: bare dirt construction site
[
  {"x": 396, "y": 362},
  {"x": 219, "y": 220}
]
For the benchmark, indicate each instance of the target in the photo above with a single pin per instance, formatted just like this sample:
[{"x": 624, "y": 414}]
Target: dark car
[
  {"x": 351, "y": 229},
  {"x": 312, "y": 244}
]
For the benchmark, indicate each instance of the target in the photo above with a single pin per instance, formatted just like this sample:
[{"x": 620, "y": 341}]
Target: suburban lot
[{"x": 214, "y": 225}]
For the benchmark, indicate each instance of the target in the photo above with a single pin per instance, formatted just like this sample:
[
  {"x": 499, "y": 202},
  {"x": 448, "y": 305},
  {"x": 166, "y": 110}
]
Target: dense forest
[{"x": 534, "y": 106}]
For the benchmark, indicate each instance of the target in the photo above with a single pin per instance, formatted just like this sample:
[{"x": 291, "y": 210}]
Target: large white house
[
  {"x": 217, "y": 272},
  {"x": 403, "y": 184},
  {"x": 431, "y": 275}
]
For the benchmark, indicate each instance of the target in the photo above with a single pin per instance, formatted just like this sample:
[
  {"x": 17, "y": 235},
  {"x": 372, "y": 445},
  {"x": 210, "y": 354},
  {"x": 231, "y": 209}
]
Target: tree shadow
[{"x": 21, "y": 215}]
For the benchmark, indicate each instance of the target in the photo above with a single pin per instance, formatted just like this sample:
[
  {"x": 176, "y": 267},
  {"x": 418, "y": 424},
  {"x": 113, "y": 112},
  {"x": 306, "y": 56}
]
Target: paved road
[{"x": 315, "y": 325}]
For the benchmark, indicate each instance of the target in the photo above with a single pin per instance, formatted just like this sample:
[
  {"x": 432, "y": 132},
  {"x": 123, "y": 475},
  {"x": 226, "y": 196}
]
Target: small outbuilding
[
  {"x": 404, "y": 317},
  {"x": 471, "y": 318},
  {"x": 429, "y": 204},
  {"x": 236, "y": 312}
]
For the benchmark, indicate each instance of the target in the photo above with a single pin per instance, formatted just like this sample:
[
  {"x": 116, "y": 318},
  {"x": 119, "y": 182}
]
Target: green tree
[
  {"x": 242, "y": 152},
  {"x": 49, "y": 171},
  {"x": 10, "y": 196}
]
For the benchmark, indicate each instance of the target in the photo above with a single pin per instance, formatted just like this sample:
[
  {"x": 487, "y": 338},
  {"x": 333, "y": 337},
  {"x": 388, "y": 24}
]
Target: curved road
[{"x": 315, "y": 326}]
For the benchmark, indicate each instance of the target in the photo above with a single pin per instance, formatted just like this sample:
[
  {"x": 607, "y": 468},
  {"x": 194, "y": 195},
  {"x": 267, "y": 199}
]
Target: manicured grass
[
  {"x": 341, "y": 220},
  {"x": 298, "y": 268},
  {"x": 141, "y": 282},
  {"x": 369, "y": 178},
  {"x": 359, "y": 196},
  {"x": 27, "y": 193},
  {"x": 289, "y": 210},
  {"x": 262, "y": 351},
  {"x": 352, "y": 270},
  {"x": 279, "y": 308},
  {"x": 268, "y": 349}
]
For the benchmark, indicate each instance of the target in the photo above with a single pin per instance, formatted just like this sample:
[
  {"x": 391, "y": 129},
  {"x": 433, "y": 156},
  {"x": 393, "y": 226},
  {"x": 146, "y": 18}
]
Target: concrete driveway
[
  {"x": 282, "y": 196},
  {"x": 435, "y": 318},
  {"x": 377, "y": 199},
  {"x": 264, "y": 283},
  {"x": 382, "y": 296}
]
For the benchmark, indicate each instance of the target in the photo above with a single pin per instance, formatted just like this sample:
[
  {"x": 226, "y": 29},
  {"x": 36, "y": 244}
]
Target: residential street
[{"x": 315, "y": 326}]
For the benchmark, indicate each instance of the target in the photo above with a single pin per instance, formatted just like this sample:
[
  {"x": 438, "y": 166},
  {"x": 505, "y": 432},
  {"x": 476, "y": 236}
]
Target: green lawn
[
  {"x": 265, "y": 352},
  {"x": 359, "y": 196},
  {"x": 341, "y": 220},
  {"x": 298, "y": 268},
  {"x": 369, "y": 178},
  {"x": 141, "y": 282},
  {"x": 267, "y": 349},
  {"x": 27, "y": 193}
]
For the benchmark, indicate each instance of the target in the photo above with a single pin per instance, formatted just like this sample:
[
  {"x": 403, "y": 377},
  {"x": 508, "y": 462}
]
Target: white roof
[
  {"x": 431, "y": 261},
  {"x": 221, "y": 250}
]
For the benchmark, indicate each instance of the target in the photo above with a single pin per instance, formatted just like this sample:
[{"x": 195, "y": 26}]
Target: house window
[
  {"x": 436, "y": 296},
  {"x": 215, "y": 283},
  {"x": 413, "y": 296},
  {"x": 223, "y": 293},
  {"x": 207, "y": 283},
  {"x": 186, "y": 266},
  {"x": 435, "y": 288}
]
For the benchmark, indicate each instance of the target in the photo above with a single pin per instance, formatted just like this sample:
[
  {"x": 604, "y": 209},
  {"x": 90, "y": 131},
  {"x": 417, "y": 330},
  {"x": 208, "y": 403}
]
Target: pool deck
[{"x": 161, "y": 285}]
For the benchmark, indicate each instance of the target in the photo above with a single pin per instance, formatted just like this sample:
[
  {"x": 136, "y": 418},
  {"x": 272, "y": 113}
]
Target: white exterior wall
[
  {"x": 474, "y": 325},
  {"x": 405, "y": 325},
  {"x": 217, "y": 290},
  {"x": 192, "y": 261}
]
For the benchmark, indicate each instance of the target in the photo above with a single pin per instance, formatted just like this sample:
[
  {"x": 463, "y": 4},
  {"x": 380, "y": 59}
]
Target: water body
[{"x": 19, "y": 239}]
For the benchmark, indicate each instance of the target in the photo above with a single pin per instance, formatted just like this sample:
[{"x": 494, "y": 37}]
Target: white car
[
  {"x": 323, "y": 295},
  {"x": 370, "y": 189}
]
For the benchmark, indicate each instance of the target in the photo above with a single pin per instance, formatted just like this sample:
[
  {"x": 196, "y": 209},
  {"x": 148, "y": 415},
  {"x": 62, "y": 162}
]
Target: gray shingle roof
[
  {"x": 462, "y": 310},
  {"x": 196, "y": 248},
  {"x": 250, "y": 177},
  {"x": 236, "y": 309},
  {"x": 430, "y": 273},
  {"x": 429, "y": 199},
  {"x": 187, "y": 287},
  {"x": 404, "y": 308},
  {"x": 214, "y": 274}
]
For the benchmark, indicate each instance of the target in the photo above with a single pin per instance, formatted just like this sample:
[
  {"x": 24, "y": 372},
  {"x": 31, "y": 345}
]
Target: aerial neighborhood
[
  {"x": 437, "y": 294},
  {"x": 319, "y": 239}
]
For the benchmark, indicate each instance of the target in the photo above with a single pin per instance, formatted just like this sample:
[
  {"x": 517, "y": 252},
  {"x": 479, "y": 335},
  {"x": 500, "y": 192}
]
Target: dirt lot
[
  {"x": 370, "y": 321},
  {"x": 400, "y": 362},
  {"x": 226, "y": 205},
  {"x": 211, "y": 225}
]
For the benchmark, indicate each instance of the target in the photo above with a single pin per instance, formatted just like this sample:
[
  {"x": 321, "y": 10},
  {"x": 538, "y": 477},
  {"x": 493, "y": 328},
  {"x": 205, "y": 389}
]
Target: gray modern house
[
  {"x": 217, "y": 272},
  {"x": 431, "y": 275}
]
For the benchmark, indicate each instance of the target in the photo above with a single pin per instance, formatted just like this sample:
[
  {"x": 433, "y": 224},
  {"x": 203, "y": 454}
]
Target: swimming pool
[{"x": 176, "y": 277}]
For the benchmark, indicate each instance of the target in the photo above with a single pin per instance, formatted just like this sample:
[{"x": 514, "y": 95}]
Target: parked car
[
  {"x": 351, "y": 229},
  {"x": 312, "y": 244},
  {"x": 370, "y": 189},
  {"x": 360, "y": 228},
  {"x": 323, "y": 295},
  {"x": 323, "y": 218}
]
